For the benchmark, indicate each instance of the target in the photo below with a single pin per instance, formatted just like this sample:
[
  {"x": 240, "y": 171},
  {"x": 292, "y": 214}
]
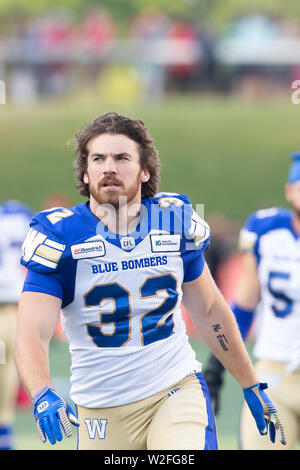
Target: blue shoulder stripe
[
  {"x": 15, "y": 207},
  {"x": 265, "y": 220}
]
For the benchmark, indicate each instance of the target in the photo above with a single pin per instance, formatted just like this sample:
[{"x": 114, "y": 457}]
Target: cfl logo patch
[
  {"x": 128, "y": 243},
  {"x": 96, "y": 428}
]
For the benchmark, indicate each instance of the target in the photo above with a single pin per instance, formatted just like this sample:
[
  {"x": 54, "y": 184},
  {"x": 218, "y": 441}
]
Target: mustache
[{"x": 109, "y": 179}]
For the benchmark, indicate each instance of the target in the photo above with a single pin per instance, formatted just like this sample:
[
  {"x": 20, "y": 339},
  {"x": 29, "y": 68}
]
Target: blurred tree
[
  {"x": 122, "y": 9},
  {"x": 219, "y": 13},
  {"x": 215, "y": 13}
]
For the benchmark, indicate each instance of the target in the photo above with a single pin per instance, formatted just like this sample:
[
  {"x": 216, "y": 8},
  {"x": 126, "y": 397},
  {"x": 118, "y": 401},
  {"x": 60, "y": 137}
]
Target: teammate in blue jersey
[
  {"x": 14, "y": 224},
  {"x": 268, "y": 293},
  {"x": 119, "y": 266}
]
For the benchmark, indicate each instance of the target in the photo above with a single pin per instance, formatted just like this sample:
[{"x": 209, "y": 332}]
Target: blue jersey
[
  {"x": 120, "y": 295},
  {"x": 269, "y": 235},
  {"x": 14, "y": 224}
]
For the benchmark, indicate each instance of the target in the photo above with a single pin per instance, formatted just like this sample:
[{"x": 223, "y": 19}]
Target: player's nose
[{"x": 110, "y": 165}]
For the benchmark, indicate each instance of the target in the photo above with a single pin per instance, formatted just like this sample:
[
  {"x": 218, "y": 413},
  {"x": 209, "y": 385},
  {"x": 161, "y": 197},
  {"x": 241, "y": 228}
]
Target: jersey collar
[{"x": 138, "y": 234}]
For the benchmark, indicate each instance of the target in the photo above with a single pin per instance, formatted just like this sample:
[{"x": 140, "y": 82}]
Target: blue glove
[
  {"x": 51, "y": 411},
  {"x": 264, "y": 412}
]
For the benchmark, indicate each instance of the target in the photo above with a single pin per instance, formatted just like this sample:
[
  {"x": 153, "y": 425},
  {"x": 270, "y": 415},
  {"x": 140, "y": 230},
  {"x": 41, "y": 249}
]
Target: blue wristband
[
  {"x": 244, "y": 319},
  {"x": 42, "y": 392}
]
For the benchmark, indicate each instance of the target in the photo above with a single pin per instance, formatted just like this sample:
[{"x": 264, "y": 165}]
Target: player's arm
[
  {"x": 245, "y": 301},
  {"x": 215, "y": 320},
  {"x": 38, "y": 314},
  {"x": 247, "y": 294}
]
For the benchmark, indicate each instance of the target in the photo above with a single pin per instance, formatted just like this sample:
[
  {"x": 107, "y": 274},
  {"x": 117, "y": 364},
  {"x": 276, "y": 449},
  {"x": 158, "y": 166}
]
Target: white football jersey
[
  {"x": 14, "y": 225},
  {"x": 270, "y": 236},
  {"x": 120, "y": 295}
]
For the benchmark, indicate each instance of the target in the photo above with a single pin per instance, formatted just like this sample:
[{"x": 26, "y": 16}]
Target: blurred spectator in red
[
  {"x": 97, "y": 30},
  {"x": 181, "y": 74},
  {"x": 56, "y": 200},
  {"x": 53, "y": 32},
  {"x": 94, "y": 37}
]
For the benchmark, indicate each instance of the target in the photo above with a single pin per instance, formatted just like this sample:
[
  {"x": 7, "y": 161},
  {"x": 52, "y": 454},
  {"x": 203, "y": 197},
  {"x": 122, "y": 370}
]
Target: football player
[
  {"x": 119, "y": 265},
  {"x": 14, "y": 225},
  {"x": 269, "y": 293}
]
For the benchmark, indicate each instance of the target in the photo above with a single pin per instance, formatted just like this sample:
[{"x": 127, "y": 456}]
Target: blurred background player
[
  {"x": 14, "y": 223},
  {"x": 269, "y": 292}
]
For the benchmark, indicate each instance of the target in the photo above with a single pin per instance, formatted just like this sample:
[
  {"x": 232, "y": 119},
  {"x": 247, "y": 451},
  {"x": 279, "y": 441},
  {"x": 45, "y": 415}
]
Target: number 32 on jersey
[{"x": 155, "y": 325}]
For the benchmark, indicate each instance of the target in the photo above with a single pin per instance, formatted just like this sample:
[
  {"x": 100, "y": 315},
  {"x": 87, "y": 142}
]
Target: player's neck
[{"x": 122, "y": 220}]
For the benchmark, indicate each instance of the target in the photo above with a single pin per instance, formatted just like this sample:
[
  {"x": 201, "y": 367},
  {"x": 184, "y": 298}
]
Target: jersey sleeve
[
  {"x": 42, "y": 253},
  {"x": 194, "y": 231},
  {"x": 196, "y": 241},
  {"x": 258, "y": 224},
  {"x": 249, "y": 235},
  {"x": 44, "y": 283}
]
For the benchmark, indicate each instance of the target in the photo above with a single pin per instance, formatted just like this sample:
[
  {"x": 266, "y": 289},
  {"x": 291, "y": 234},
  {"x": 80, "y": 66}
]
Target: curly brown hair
[{"x": 135, "y": 129}]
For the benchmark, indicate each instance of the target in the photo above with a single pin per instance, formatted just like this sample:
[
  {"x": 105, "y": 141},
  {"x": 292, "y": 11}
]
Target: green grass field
[{"x": 231, "y": 156}]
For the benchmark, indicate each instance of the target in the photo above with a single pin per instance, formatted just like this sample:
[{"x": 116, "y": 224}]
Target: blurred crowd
[{"x": 56, "y": 53}]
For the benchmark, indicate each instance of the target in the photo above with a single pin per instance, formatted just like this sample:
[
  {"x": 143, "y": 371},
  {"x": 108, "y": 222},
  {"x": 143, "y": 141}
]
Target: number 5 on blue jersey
[
  {"x": 287, "y": 303},
  {"x": 157, "y": 324}
]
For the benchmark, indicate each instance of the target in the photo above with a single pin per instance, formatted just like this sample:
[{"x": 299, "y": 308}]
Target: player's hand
[
  {"x": 213, "y": 375},
  {"x": 51, "y": 413},
  {"x": 264, "y": 412}
]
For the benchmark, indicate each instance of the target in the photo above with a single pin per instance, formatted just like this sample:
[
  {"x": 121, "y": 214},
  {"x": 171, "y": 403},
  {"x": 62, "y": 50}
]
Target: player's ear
[
  {"x": 287, "y": 192},
  {"x": 85, "y": 178},
  {"x": 145, "y": 176}
]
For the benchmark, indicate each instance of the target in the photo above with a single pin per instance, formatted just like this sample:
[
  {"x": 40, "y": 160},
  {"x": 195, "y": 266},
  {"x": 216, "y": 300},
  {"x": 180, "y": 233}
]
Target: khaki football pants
[
  {"x": 179, "y": 417},
  {"x": 8, "y": 373},
  {"x": 284, "y": 391}
]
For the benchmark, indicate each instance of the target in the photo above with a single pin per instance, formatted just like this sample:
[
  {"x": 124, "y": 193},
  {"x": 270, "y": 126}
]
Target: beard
[{"x": 117, "y": 197}]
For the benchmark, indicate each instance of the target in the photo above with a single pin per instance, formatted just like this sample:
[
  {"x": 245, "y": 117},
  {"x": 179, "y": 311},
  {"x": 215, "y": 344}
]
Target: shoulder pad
[
  {"x": 199, "y": 230},
  {"x": 259, "y": 223},
  {"x": 50, "y": 218},
  {"x": 168, "y": 199},
  {"x": 16, "y": 208},
  {"x": 266, "y": 219},
  {"x": 43, "y": 245},
  {"x": 194, "y": 230}
]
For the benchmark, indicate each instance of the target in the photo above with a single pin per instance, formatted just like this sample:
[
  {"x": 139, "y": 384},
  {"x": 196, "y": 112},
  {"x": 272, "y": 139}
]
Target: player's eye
[{"x": 122, "y": 157}]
